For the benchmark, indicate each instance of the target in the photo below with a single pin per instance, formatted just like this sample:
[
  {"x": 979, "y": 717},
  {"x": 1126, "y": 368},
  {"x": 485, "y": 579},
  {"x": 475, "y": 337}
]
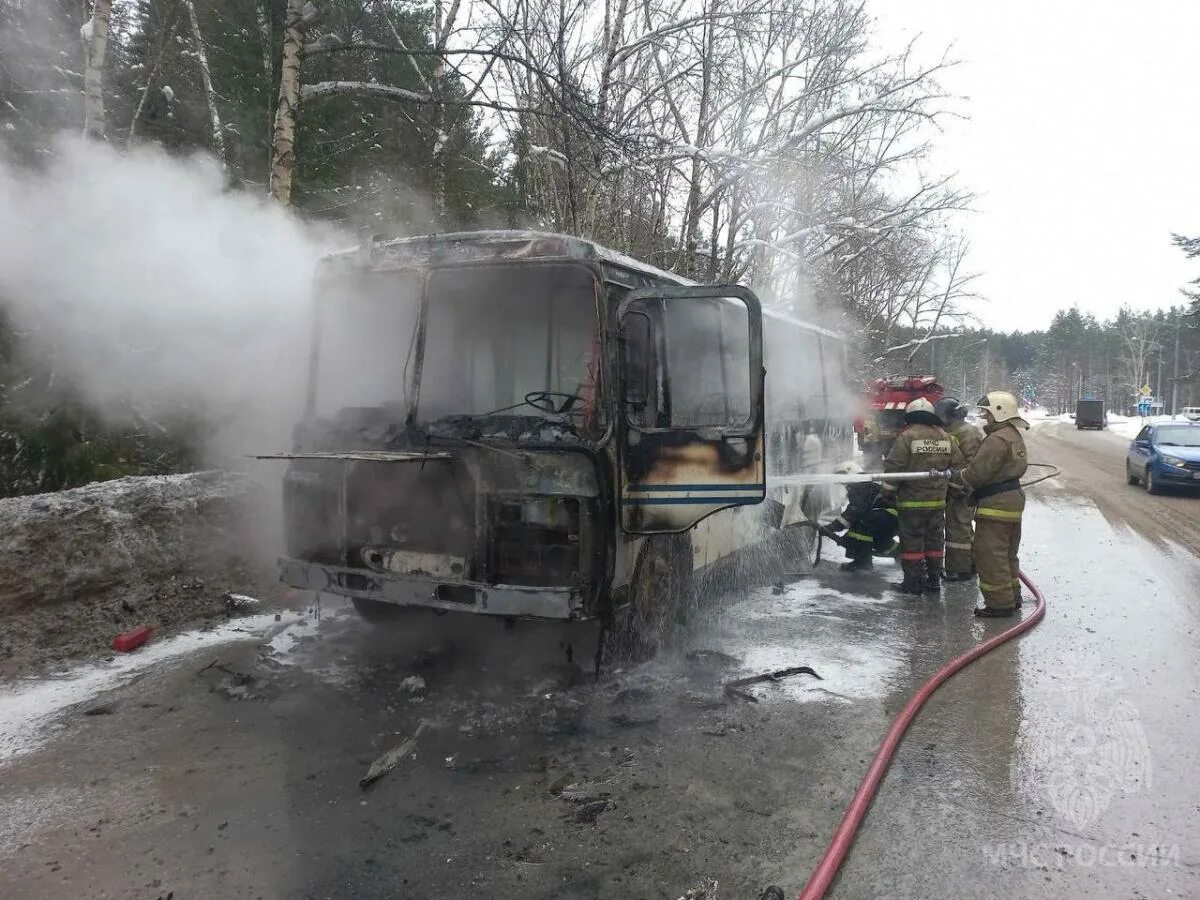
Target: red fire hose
[{"x": 839, "y": 846}]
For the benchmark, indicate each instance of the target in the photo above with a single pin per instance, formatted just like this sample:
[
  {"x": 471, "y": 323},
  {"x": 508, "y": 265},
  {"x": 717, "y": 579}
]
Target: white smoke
[{"x": 155, "y": 287}]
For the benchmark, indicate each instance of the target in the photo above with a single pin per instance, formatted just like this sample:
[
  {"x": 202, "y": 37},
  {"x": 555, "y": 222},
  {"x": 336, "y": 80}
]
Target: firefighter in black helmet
[{"x": 869, "y": 520}]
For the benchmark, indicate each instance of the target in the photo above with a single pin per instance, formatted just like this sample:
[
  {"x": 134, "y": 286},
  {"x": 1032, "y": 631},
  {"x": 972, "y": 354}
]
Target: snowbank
[
  {"x": 1128, "y": 427},
  {"x": 78, "y": 566}
]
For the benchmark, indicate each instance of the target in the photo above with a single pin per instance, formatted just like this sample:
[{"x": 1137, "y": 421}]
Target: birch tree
[
  {"x": 94, "y": 34},
  {"x": 210, "y": 95}
]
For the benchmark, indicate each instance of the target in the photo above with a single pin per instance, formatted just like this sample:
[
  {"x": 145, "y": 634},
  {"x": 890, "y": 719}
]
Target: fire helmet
[
  {"x": 920, "y": 405},
  {"x": 849, "y": 467},
  {"x": 950, "y": 409},
  {"x": 1001, "y": 405}
]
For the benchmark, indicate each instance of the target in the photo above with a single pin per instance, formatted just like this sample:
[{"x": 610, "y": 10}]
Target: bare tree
[
  {"x": 94, "y": 34},
  {"x": 210, "y": 95}
]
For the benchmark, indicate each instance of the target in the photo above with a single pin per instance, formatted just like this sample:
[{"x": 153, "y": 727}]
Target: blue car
[{"x": 1164, "y": 455}]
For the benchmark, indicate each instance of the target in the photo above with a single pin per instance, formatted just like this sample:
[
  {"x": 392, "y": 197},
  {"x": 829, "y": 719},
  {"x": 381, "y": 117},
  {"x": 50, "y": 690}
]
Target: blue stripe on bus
[
  {"x": 677, "y": 501},
  {"x": 639, "y": 488}
]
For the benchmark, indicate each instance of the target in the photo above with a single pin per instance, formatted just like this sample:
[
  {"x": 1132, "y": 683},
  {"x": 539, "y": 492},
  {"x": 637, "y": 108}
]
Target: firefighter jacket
[
  {"x": 993, "y": 475},
  {"x": 969, "y": 437},
  {"x": 860, "y": 500},
  {"x": 920, "y": 447}
]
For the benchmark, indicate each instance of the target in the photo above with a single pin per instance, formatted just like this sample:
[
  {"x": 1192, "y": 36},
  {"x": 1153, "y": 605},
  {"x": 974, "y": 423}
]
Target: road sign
[
  {"x": 1144, "y": 407},
  {"x": 1146, "y": 390}
]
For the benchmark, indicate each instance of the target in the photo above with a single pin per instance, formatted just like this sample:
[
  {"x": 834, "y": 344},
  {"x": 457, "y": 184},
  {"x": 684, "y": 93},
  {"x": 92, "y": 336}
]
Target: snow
[
  {"x": 85, "y": 31},
  {"x": 1128, "y": 427},
  {"x": 551, "y": 155},
  {"x": 28, "y": 709}
]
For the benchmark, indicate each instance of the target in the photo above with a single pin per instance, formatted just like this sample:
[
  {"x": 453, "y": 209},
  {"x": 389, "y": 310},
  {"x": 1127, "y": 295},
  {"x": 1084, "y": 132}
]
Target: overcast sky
[{"x": 1083, "y": 144}]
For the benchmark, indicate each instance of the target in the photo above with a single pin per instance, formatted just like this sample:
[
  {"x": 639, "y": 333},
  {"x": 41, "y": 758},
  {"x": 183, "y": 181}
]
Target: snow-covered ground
[
  {"x": 1129, "y": 426},
  {"x": 1125, "y": 426},
  {"x": 30, "y": 706}
]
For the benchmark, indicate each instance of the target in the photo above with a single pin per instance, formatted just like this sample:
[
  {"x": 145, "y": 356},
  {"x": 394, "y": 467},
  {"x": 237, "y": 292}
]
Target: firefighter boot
[
  {"x": 859, "y": 554},
  {"x": 858, "y": 564},
  {"x": 914, "y": 577},
  {"x": 933, "y": 576}
]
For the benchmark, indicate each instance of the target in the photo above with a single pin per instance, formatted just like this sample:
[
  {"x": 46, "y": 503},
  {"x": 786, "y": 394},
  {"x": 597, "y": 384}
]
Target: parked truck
[{"x": 1090, "y": 414}]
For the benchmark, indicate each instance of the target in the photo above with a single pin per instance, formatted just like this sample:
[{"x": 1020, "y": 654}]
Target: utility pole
[
  {"x": 1160, "y": 384},
  {"x": 1175, "y": 379}
]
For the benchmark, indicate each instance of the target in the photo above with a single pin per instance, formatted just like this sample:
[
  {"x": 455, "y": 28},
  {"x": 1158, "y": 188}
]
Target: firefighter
[
  {"x": 993, "y": 480},
  {"x": 922, "y": 445},
  {"x": 869, "y": 521},
  {"x": 959, "y": 512}
]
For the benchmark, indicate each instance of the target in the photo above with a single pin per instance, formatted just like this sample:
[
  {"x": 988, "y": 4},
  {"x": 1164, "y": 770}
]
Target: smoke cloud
[{"x": 158, "y": 290}]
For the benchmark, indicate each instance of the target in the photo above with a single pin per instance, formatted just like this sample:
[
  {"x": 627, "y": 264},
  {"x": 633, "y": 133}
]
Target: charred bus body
[{"x": 530, "y": 425}]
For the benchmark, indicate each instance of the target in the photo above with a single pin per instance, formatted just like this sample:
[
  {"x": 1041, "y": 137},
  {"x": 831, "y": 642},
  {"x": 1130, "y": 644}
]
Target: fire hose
[
  {"x": 843, "y": 837},
  {"x": 839, "y": 846}
]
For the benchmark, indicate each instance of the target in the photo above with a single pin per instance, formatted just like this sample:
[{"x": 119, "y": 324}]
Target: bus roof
[{"x": 511, "y": 244}]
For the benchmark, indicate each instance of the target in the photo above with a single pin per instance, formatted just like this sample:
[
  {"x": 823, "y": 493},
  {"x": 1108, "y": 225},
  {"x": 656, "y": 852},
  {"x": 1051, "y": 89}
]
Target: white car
[{"x": 1191, "y": 413}]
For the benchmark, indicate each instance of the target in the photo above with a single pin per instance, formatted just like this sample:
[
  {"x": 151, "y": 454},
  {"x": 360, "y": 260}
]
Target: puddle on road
[{"x": 849, "y": 639}]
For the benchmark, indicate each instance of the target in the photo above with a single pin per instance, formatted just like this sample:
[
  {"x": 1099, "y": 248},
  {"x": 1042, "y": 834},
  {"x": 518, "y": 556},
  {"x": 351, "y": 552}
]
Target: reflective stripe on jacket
[{"x": 1000, "y": 457}]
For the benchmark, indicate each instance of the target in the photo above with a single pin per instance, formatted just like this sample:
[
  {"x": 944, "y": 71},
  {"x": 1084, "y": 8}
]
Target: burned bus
[{"x": 530, "y": 425}]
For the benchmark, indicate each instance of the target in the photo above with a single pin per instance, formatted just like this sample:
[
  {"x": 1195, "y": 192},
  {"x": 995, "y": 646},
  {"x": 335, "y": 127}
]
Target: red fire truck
[{"x": 883, "y": 412}]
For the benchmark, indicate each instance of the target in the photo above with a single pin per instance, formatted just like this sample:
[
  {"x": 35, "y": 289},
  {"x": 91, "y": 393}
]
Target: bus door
[{"x": 691, "y": 394}]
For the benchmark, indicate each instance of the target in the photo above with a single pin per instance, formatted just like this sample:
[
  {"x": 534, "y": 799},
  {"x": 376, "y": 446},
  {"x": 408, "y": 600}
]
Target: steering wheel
[{"x": 545, "y": 401}]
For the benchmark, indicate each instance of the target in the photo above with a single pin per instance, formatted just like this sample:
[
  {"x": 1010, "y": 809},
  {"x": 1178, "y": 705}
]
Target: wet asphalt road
[{"x": 1060, "y": 766}]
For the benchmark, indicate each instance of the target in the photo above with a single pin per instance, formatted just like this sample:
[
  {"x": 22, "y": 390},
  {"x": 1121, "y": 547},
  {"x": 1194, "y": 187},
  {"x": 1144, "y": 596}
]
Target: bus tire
[{"x": 660, "y": 592}]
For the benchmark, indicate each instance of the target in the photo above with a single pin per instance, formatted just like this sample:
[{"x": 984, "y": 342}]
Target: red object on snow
[{"x": 131, "y": 640}]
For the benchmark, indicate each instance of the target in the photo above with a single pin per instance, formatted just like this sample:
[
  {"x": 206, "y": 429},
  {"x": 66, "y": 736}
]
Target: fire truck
[{"x": 883, "y": 412}]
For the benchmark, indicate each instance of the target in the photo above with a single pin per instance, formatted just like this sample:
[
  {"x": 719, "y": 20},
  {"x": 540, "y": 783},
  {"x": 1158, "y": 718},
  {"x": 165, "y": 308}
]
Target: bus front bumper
[{"x": 406, "y": 590}]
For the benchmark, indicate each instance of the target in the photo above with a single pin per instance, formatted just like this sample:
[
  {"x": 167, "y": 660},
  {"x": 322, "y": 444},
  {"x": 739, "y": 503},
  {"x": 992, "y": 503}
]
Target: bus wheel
[{"x": 660, "y": 591}]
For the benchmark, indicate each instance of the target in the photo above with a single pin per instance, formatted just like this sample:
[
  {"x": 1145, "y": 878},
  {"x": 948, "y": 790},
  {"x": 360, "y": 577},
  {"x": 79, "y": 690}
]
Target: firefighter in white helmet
[
  {"x": 922, "y": 445},
  {"x": 993, "y": 480}
]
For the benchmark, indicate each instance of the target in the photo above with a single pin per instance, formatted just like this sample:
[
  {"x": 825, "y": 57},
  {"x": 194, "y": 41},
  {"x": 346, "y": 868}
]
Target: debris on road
[
  {"x": 238, "y": 602},
  {"x": 414, "y": 684},
  {"x": 590, "y": 812},
  {"x": 102, "y": 709},
  {"x": 703, "y": 701},
  {"x": 131, "y": 640},
  {"x": 634, "y": 718},
  {"x": 584, "y": 793},
  {"x": 706, "y": 890},
  {"x": 236, "y": 685},
  {"x": 391, "y": 759},
  {"x": 712, "y": 658},
  {"x": 563, "y": 781},
  {"x": 733, "y": 688}
]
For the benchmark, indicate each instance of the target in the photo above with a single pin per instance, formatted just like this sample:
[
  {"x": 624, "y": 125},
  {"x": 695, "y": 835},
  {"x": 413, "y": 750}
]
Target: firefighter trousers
[
  {"x": 960, "y": 534},
  {"x": 922, "y": 538},
  {"x": 997, "y": 545},
  {"x": 874, "y": 533}
]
